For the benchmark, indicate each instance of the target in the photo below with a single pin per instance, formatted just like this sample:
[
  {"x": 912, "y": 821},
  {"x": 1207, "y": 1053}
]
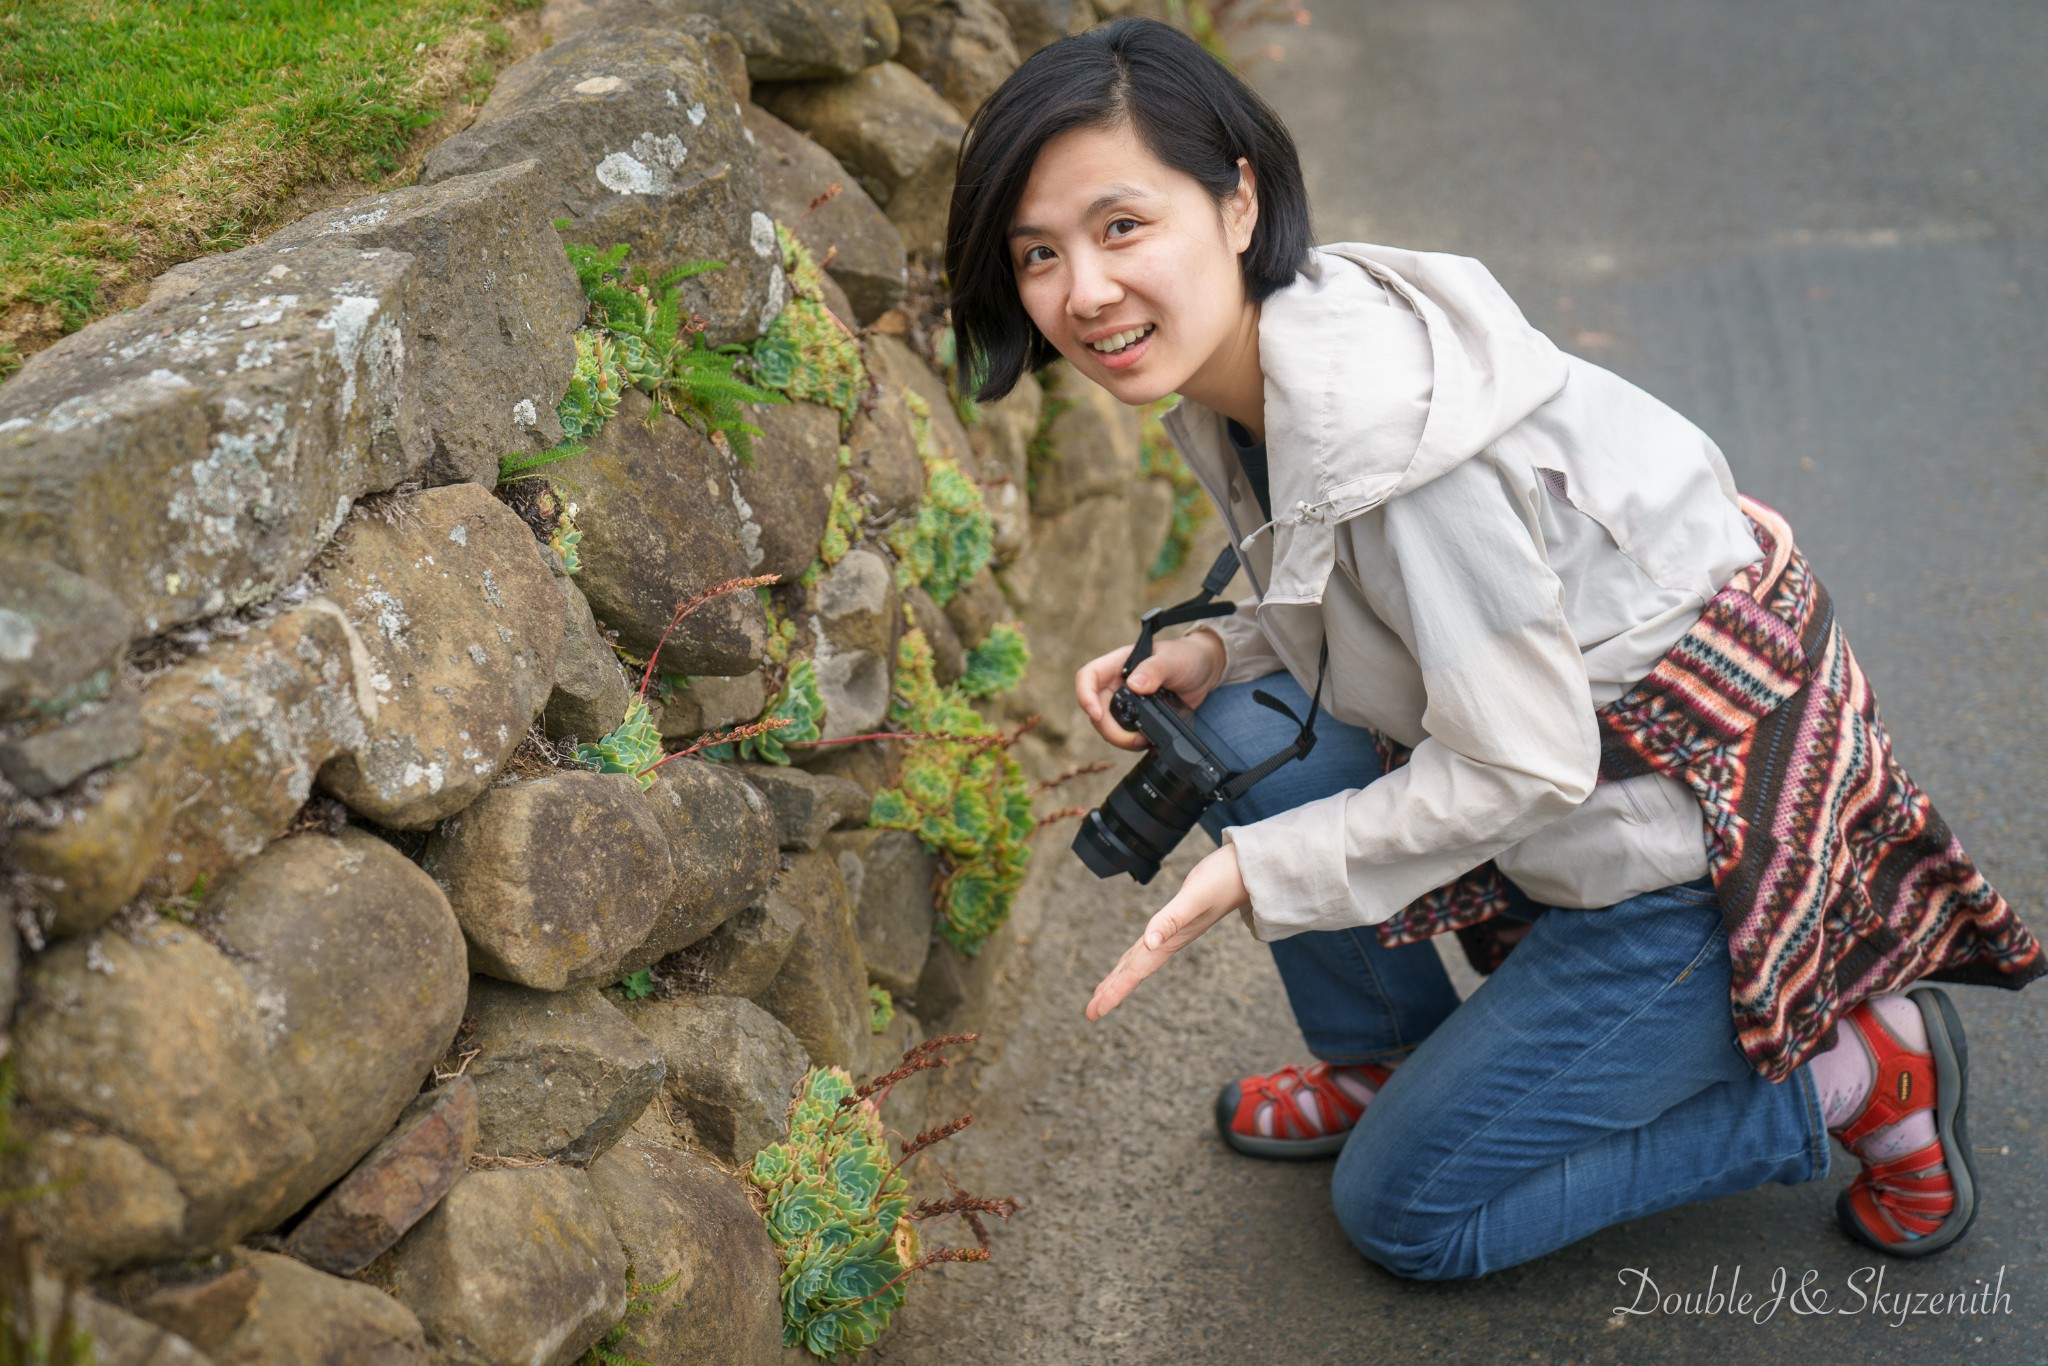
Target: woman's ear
[{"x": 1241, "y": 208}]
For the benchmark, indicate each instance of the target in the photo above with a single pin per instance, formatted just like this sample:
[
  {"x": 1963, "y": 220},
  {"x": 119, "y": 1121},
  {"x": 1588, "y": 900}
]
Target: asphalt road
[{"x": 1820, "y": 230}]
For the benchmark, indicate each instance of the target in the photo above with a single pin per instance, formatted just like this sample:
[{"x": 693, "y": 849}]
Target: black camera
[{"x": 1188, "y": 765}]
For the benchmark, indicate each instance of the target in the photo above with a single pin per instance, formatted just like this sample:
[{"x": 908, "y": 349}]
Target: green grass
[{"x": 138, "y": 133}]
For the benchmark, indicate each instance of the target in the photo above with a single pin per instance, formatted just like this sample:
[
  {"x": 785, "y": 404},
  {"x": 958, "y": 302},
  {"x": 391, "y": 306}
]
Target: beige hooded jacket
[{"x": 1498, "y": 538}]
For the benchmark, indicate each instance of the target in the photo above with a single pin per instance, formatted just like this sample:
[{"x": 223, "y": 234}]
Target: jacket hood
[{"x": 1334, "y": 454}]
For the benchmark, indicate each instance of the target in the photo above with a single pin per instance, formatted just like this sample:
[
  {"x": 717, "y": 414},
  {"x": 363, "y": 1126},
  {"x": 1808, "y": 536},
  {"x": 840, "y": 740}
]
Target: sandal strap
[
  {"x": 1903, "y": 1083},
  {"x": 1909, "y": 1194},
  {"x": 1893, "y": 1219},
  {"x": 1282, "y": 1086}
]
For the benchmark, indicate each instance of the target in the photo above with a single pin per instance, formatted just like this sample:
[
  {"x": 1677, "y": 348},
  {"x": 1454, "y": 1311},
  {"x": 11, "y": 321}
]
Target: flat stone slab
[{"x": 393, "y": 1187}]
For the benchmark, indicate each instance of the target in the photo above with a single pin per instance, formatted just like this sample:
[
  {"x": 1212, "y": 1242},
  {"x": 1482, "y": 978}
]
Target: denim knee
[{"x": 1380, "y": 1218}]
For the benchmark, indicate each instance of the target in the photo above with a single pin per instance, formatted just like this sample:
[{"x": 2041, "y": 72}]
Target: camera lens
[{"x": 1147, "y": 814}]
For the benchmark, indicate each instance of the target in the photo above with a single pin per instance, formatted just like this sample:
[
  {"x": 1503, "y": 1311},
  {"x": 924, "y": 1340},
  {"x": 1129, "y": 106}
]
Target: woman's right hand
[{"x": 1189, "y": 665}]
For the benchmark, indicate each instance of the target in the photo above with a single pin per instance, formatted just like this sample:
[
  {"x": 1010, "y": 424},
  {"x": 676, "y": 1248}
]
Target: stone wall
[{"x": 351, "y": 1016}]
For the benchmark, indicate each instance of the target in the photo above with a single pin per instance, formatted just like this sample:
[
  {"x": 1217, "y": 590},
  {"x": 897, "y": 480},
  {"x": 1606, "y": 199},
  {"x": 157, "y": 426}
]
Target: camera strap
[
  {"x": 1199, "y": 608},
  {"x": 1303, "y": 743}
]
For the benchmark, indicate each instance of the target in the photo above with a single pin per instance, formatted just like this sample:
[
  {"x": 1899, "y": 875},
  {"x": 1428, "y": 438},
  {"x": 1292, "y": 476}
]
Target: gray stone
[
  {"x": 1034, "y": 23},
  {"x": 721, "y": 842},
  {"x": 946, "y": 984},
  {"x": 155, "y": 1046},
  {"x": 193, "y": 454},
  {"x": 784, "y": 497},
  {"x": 201, "y": 1302},
  {"x": 1002, "y": 436},
  {"x": 10, "y": 980},
  {"x": 731, "y": 1070},
  {"x": 721, "y": 49},
  {"x": 821, "y": 993},
  {"x": 881, "y": 36},
  {"x": 871, "y": 766},
  {"x": 394, "y": 1185},
  {"x": 556, "y": 880},
  {"x": 783, "y": 40},
  {"x": 742, "y": 956},
  {"x": 232, "y": 739},
  {"x": 806, "y": 805},
  {"x": 559, "y": 1075},
  {"x": 962, "y": 48},
  {"x": 357, "y": 967},
  {"x": 849, "y": 233},
  {"x": 679, "y": 1215},
  {"x": 888, "y": 875},
  {"x": 887, "y": 469},
  {"x": 514, "y": 1265},
  {"x": 654, "y": 503},
  {"x": 61, "y": 637},
  {"x": 303, "y": 1315},
  {"x": 711, "y": 703},
  {"x": 1091, "y": 445},
  {"x": 1077, "y": 590},
  {"x": 118, "y": 1337},
  {"x": 893, "y": 132},
  {"x": 112, "y": 1205},
  {"x": 461, "y": 623},
  {"x": 976, "y": 608},
  {"x": 854, "y": 609},
  {"x": 50, "y": 760},
  {"x": 639, "y": 141},
  {"x": 494, "y": 305},
  {"x": 896, "y": 367},
  {"x": 590, "y": 694},
  {"x": 949, "y": 660}
]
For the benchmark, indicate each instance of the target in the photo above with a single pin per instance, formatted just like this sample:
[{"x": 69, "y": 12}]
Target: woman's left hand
[{"x": 1213, "y": 889}]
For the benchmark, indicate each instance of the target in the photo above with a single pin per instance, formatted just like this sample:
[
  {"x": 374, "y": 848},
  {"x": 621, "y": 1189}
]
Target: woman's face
[{"x": 1114, "y": 248}]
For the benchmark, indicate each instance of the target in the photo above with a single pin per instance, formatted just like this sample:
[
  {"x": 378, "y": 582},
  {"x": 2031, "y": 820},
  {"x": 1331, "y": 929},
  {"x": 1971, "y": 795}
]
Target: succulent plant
[{"x": 837, "y": 1209}]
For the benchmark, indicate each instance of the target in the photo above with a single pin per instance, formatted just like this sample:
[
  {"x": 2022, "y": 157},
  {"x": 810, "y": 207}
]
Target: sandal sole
[
  {"x": 1284, "y": 1149},
  {"x": 1951, "y": 1050}
]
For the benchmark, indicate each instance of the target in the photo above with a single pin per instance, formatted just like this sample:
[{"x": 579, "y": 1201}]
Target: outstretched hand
[{"x": 1213, "y": 889}]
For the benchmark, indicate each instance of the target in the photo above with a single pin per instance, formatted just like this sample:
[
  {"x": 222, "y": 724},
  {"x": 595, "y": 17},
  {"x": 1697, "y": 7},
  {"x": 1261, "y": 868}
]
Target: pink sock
[{"x": 1843, "y": 1076}]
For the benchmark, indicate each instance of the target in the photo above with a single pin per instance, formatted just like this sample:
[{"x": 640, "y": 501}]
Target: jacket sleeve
[
  {"x": 1246, "y": 651},
  {"x": 1511, "y": 744}
]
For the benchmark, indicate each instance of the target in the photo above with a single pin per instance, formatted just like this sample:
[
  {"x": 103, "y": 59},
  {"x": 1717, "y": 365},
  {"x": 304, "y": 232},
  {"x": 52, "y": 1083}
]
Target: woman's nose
[{"x": 1094, "y": 287}]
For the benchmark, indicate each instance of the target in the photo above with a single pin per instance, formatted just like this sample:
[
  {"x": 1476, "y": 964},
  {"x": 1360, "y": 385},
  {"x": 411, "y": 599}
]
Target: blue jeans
[{"x": 1593, "y": 1079}]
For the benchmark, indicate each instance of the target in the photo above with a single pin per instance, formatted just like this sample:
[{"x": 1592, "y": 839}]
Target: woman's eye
[
  {"x": 1115, "y": 222},
  {"x": 1031, "y": 260}
]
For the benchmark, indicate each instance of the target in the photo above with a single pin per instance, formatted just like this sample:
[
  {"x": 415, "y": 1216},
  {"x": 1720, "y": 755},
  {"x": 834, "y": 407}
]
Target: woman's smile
[{"x": 1122, "y": 350}]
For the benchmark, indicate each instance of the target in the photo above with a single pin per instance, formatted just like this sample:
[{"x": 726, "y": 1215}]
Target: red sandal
[
  {"x": 1294, "y": 1136},
  {"x": 1909, "y": 1206}
]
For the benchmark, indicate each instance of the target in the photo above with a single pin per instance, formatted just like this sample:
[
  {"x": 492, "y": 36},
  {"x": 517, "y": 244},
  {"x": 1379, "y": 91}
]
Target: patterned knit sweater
[{"x": 1836, "y": 877}]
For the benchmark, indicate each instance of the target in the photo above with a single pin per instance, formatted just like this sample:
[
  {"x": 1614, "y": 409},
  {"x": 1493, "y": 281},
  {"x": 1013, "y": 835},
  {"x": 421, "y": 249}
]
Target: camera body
[{"x": 1186, "y": 766}]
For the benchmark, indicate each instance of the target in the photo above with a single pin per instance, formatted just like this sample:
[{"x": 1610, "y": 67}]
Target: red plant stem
[
  {"x": 683, "y": 609},
  {"x": 880, "y": 735},
  {"x": 1083, "y": 771},
  {"x": 1059, "y": 815},
  {"x": 746, "y": 732}
]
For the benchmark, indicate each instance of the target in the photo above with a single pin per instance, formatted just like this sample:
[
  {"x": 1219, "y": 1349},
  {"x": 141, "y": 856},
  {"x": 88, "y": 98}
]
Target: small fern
[{"x": 639, "y": 1301}]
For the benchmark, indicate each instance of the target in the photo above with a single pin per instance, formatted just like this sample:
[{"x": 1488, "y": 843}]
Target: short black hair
[{"x": 1193, "y": 113}]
